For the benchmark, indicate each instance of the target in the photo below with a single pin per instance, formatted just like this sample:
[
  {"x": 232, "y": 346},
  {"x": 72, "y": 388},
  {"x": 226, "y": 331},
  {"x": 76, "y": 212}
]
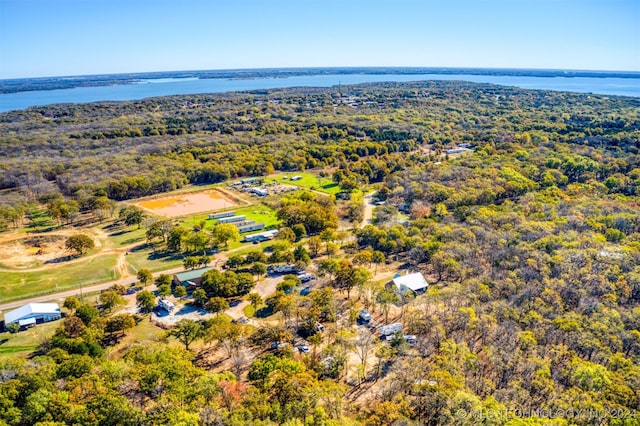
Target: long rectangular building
[
  {"x": 244, "y": 223},
  {"x": 232, "y": 219},
  {"x": 33, "y": 313},
  {"x": 251, "y": 227},
  {"x": 262, "y": 236},
  {"x": 221, "y": 215}
]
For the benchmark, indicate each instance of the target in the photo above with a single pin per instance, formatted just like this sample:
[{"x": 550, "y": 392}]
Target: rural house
[
  {"x": 414, "y": 282},
  {"x": 190, "y": 279}
]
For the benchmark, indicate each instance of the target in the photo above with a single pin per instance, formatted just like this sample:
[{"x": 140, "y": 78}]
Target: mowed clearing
[{"x": 185, "y": 204}]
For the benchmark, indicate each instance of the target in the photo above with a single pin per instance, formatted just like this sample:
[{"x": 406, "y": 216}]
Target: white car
[{"x": 303, "y": 349}]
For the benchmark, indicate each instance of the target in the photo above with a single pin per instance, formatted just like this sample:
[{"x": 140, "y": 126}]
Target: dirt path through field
[
  {"x": 121, "y": 259},
  {"x": 122, "y": 267},
  {"x": 217, "y": 260},
  {"x": 368, "y": 211}
]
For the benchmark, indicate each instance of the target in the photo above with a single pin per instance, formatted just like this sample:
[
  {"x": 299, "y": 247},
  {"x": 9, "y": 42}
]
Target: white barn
[
  {"x": 414, "y": 282},
  {"x": 33, "y": 313}
]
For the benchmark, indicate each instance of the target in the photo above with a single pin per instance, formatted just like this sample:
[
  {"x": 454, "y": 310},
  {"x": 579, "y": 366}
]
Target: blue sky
[{"x": 76, "y": 37}]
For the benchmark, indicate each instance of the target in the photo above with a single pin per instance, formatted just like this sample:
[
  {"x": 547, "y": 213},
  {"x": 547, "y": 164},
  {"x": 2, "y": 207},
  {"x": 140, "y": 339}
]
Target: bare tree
[{"x": 364, "y": 344}]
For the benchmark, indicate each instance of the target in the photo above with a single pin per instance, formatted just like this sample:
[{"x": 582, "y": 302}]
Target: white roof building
[
  {"x": 33, "y": 313},
  {"x": 414, "y": 282}
]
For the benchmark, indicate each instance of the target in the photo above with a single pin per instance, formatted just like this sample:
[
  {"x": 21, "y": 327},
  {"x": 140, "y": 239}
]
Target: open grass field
[
  {"x": 40, "y": 219},
  {"x": 97, "y": 269},
  {"x": 308, "y": 180},
  {"x": 258, "y": 212},
  {"x": 120, "y": 236},
  {"x": 147, "y": 259},
  {"x": 21, "y": 344}
]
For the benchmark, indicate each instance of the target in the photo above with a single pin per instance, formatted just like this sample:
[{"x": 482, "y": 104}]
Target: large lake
[{"x": 185, "y": 86}]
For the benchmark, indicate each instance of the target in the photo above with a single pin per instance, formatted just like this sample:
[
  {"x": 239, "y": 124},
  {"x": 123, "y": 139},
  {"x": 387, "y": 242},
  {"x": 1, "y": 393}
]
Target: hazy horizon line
[{"x": 311, "y": 68}]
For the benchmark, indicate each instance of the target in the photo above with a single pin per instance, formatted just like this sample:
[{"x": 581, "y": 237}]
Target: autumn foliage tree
[{"x": 79, "y": 243}]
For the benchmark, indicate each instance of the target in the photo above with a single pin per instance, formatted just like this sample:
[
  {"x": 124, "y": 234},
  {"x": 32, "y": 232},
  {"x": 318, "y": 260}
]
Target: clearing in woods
[{"x": 189, "y": 203}]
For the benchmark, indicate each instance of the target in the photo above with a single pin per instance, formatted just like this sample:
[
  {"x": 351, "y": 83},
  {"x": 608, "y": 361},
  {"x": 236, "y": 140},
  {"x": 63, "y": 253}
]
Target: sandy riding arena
[{"x": 184, "y": 204}]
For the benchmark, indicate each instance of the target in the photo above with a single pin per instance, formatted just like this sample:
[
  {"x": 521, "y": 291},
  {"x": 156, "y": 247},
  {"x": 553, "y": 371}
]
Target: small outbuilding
[
  {"x": 260, "y": 192},
  {"x": 414, "y": 282},
  {"x": 33, "y": 313}
]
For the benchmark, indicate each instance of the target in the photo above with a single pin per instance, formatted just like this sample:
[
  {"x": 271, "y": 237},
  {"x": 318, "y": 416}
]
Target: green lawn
[
  {"x": 21, "y": 344},
  {"x": 249, "y": 311},
  {"x": 40, "y": 219},
  {"x": 260, "y": 213},
  {"x": 309, "y": 180},
  {"x": 146, "y": 259},
  {"x": 15, "y": 285},
  {"x": 120, "y": 236}
]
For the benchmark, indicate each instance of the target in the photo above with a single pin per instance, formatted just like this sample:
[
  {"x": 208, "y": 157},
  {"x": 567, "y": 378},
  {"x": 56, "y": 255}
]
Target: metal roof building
[
  {"x": 194, "y": 276},
  {"x": 33, "y": 313},
  {"x": 414, "y": 282}
]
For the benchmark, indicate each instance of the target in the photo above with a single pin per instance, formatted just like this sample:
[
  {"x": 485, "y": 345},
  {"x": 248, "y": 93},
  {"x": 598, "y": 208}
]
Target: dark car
[
  {"x": 305, "y": 291},
  {"x": 278, "y": 345}
]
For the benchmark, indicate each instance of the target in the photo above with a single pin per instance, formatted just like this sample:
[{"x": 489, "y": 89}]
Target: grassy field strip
[
  {"x": 22, "y": 344},
  {"x": 15, "y": 285},
  {"x": 308, "y": 180}
]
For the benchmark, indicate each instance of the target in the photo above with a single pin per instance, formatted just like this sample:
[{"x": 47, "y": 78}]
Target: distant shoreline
[
  {"x": 127, "y": 88},
  {"x": 70, "y": 82}
]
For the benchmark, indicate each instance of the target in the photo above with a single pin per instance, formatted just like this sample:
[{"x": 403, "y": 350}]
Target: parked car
[
  {"x": 303, "y": 349},
  {"x": 364, "y": 316},
  {"x": 278, "y": 345},
  {"x": 306, "y": 277},
  {"x": 305, "y": 291},
  {"x": 410, "y": 339}
]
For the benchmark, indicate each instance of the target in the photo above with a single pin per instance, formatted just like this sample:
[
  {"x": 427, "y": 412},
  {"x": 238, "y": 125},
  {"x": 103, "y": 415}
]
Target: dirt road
[
  {"x": 264, "y": 288},
  {"x": 368, "y": 210}
]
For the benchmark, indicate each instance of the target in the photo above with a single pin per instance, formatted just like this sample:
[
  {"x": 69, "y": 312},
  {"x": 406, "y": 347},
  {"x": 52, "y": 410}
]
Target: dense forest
[
  {"x": 529, "y": 238},
  {"x": 133, "y": 149}
]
